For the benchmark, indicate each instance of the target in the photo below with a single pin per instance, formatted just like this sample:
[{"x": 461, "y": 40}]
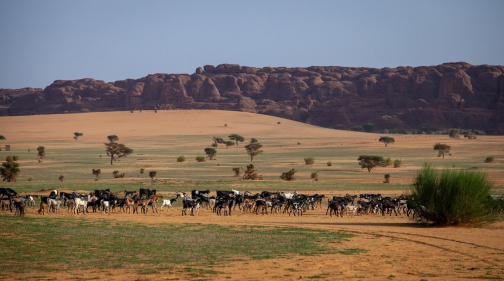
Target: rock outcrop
[{"x": 448, "y": 95}]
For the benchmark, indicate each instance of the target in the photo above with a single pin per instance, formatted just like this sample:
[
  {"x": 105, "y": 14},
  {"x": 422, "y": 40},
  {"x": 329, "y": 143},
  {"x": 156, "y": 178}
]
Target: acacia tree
[
  {"x": 2, "y": 137},
  {"x": 41, "y": 151},
  {"x": 253, "y": 149},
  {"x": 116, "y": 151},
  {"x": 152, "y": 174},
  {"x": 112, "y": 138},
  {"x": 229, "y": 143},
  {"x": 216, "y": 141},
  {"x": 454, "y": 134},
  {"x": 236, "y": 137},
  {"x": 210, "y": 152},
  {"x": 442, "y": 149},
  {"x": 77, "y": 135},
  {"x": 386, "y": 140},
  {"x": 97, "y": 173},
  {"x": 252, "y": 140},
  {"x": 469, "y": 134},
  {"x": 371, "y": 161},
  {"x": 9, "y": 170}
]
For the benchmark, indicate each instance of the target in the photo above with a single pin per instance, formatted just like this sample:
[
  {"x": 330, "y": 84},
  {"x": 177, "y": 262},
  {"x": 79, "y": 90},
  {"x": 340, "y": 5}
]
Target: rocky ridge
[{"x": 450, "y": 95}]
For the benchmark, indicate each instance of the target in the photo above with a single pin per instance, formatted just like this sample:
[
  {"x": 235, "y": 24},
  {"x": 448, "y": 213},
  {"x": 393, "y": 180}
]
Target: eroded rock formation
[{"x": 449, "y": 95}]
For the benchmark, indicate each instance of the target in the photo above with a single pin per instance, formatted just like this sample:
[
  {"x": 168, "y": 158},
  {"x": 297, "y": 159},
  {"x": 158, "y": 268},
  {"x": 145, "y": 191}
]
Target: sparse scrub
[
  {"x": 2, "y": 137},
  {"x": 236, "y": 172},
  {"x": 387, "y": 178},
  {"x": 142, "y": 170},
  {"x": 397, "y": 163},
  {"x": 454, "y": 134},
  {"x": 9, "y": 170},
  {"x": 251, "y": 173},
  {"x": 288, "y": 176},
  {"x": 15, "y": 157},
  {"x": 155, "y": 109},
  {"x": 368, "y": 127},
  {"x": 61, "y": 178},
  {"x": 388, "y": 162},
  {"x": 356, "y": 128},
  {"x": 309, "y": 161},
  {"x": 489, "y": 159},
  {"x": 181, "y": 159},
  {"x": 329, "y": 163},
  {"x": 386, "y": 131},
  {"x": 470, "y": 135},
  {"x": 118, "y": 175},
  {"x": 314, "y": 176},
  {"x": 152, "y": 175},
  {"x": 41, "y": 151},
  {"x": 201, "y": 158},
  {"x": 97, "y": 173},
  {"x": 452, "y": 197}
]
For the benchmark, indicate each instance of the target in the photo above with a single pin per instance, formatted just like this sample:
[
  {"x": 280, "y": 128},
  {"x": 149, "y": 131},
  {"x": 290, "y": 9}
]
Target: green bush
[
  {"x": 314, "y": 176},
  {"x": 329, "y": 163},
  {"x": 388, "y": 162},
  {"x": 288, "y": 176},
  {"x": 386, "y": 131},
  {"x": 200, "y": 158},
  {"x": 452, "y": 197},
  {"x": 488, "y": 159},
  {"x": 181, "y": 159},
  {"x": 357, "y": 128},
  {"x": 397, "y": 163},
  {"x": 309, "y": 160},
  {"x": 16, "y": 158}
]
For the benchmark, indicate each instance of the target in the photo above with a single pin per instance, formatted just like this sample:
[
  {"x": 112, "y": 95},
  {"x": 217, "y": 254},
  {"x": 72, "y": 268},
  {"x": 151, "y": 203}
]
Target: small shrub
[
  {"x": 142, "y": 170},
  {"x": 218, "y": 164},
  {"x": 452, "y": 197},
  {"x": 279, "y": 122},
  {"x": 251, "y": 173},
  {"x": 309, "y": 160},
  {"x": 386, "y": 131},
  {"x": 7, "y": 147},
  {"x": 387, "y": 178},
  {"x": 15, "y": 158},
  {"x": 357, "y": 128},
  {"x": 388, "y": 162},
  {"x": 225, "y": 125},
  {"x": 236, "y": 171},
  {"x": 181, "y": 159},
  {"x": 368, "y": 127},
  {"x": 152, "y": 174},
  {"x": 30, "y": 179},
  {"x": 117, "y": 175},
  {"x": 97, "y": 173},
  {"x": 288, "y": 176},
  {"x": 488, "y": 159},
  {"x": 155, "y": 109},
  {"x": 200, "y": 158},
  {"x": 61, "y": 178},
  {"x": 397, "y": 163},
  {"x": 314, "y": 176},
  {"x": 329, "y": 163},
  {"x": 131, "y": 111}
]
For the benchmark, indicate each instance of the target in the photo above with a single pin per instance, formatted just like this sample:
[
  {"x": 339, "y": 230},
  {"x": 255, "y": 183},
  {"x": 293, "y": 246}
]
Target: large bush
[{"x": 452, "y": 197}]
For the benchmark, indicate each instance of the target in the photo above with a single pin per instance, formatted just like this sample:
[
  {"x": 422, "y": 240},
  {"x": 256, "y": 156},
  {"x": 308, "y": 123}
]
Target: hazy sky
[{"x": 43, "y": 41}]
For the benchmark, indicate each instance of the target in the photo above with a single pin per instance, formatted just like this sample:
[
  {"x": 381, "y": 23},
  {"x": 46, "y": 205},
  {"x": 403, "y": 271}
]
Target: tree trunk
[{"x": 111, "y": 159}]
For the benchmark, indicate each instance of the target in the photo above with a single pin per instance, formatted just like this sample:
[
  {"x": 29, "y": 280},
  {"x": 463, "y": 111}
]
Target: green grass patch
[{"x": 65, "y": 244}]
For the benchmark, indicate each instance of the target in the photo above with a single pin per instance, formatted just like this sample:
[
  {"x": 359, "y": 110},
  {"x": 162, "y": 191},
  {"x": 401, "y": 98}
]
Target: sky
[{"x": 43, "y": 41}]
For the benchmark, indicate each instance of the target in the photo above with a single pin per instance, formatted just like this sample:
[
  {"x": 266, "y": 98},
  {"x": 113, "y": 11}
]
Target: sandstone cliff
[{"x": 449, "y": 95}]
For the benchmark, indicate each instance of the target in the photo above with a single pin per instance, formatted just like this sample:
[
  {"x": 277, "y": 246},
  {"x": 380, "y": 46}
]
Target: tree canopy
[
  {"x": 9, "y": 170},
  {"x": 116, "y": 151},
  {"x": 41, "y": 151},
  {"x": 370, "y": 161},
  {"x": 386, "y": 140},
  {"x": 112, "y": 138},
  {"x": 368, "y": 127},
  {"x": 210, "y": 152},
  {"x": 442, "y": 149},
  {"x": 236, "y": 137},
  {"x": 454, "y": 134},
  {"x": 2, "y": 137},
  {"x": 470, "y": 135},
  {"x": 229, "y": 143},
  {"x": 253, "y": 149},
  {"x": 77, "y": 135}
]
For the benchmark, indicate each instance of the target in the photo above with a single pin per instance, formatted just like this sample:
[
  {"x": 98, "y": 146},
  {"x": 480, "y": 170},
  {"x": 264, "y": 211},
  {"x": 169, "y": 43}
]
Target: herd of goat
[{"x": 223, "y": 203}]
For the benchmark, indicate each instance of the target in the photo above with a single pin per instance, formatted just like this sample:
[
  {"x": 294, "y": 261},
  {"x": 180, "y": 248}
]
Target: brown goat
[{"x": 41, "y": 211}]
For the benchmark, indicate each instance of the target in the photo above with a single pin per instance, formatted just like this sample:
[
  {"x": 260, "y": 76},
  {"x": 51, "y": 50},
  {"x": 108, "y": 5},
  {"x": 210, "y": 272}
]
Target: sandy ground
[{"x": 396, "y": 248}]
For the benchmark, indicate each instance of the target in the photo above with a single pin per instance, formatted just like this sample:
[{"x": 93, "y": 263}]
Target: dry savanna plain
[{"x": 244, "y": 246}]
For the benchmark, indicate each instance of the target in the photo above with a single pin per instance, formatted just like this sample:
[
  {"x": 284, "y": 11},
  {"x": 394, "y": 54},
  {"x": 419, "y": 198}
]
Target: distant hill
[{"x": 450, "y": 95}]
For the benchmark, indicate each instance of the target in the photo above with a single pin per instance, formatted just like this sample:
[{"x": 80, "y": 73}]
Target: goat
[
  {"x": 53, "y": 203},
  {"x": 224, "y": 204},
  {"x": 190, "y": 204},
  {"x": 126, "y": 193},
  {"x": 168, "y": 203},
  {"x": 261, "y": 204},
  {"x": 20, "y": 208},
  {"x": 352, "y": 209},
  {"x": 335, "y": 206},
  {"x": 41, "y": 210},
  {"x": 70, "y": 205},
  {"x": 81, "y": 201}
]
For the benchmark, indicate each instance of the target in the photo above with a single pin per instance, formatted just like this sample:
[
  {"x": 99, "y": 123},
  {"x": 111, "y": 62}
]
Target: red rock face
[{"x": 448, "y": 95}]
